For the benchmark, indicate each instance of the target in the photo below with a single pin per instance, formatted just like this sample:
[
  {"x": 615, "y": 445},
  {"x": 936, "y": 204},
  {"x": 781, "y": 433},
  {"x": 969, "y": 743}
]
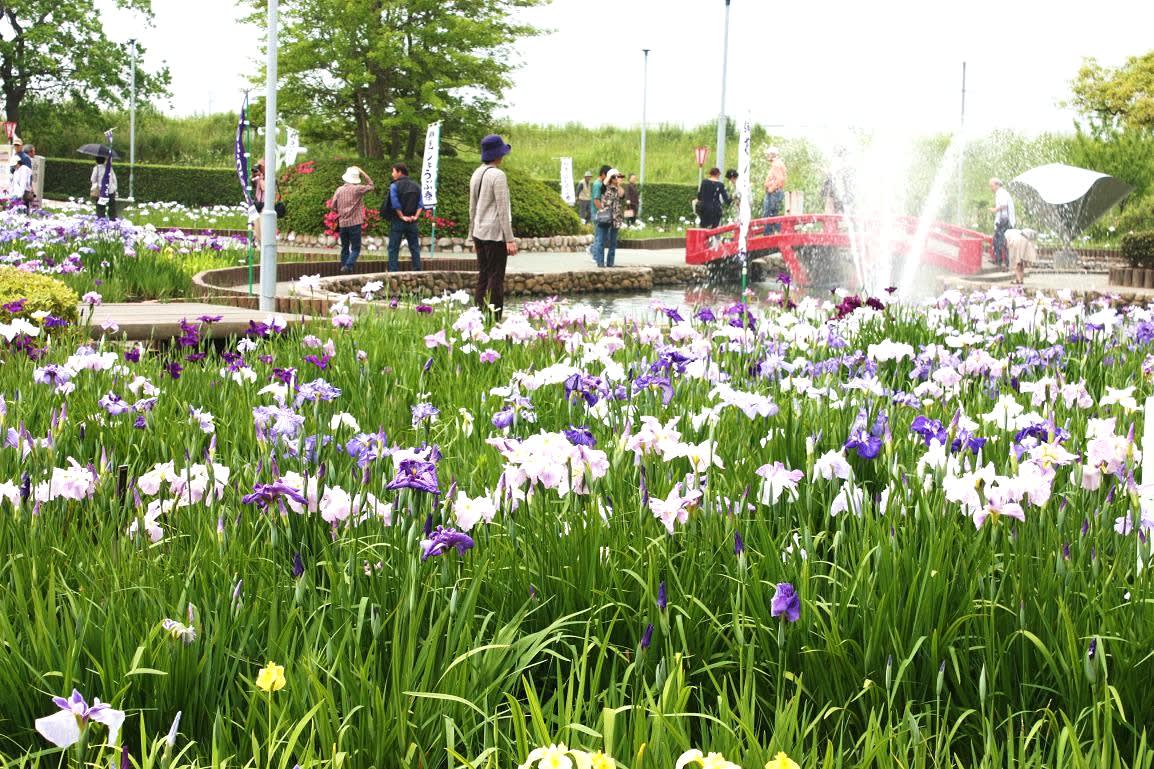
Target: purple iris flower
[
  {"x": 929, "y": 429},
  {"x": 298, "y": 567},
  {"x": 672, "y": 314},
  {"x": 174, "y": 369},
  {"x": 317, "y": 390},
  {"x": 784, "y": 278},
  {"x": 51, "y": 321},
  {"x": 785, "y": 601},
  {"x": 581, "y": 436},
  {"x": 738, "y": 544},
  {"x": 113, "y": 404},
  {"x": 705, "y": 315},
  {"x": 195, "y": 357},
  {"x": 866, "y": 444},
  {"x": 503, "y": 419},
  {"x": 264, "y": 494},
  {"x": 15, "y": 308},
  {"x": 662, "y": 597},
  {"x": 647, "y": 636},
  {"x": 656, "y": 381},
  {"x": 417, "y": 475},
  {"x": 441, "y": 540},
  {"x": 322, "y": 362},
  {"x": 210, "y": 318},
  {"x": 257, "y": 328},
  {"x": 424, "y": 412},
  {"x": 132, "y": 355},
  {"x": 424, "y": 309}
]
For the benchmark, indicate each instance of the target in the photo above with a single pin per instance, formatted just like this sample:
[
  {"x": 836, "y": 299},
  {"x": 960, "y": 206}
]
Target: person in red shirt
[{"x": 349, "y": 203}]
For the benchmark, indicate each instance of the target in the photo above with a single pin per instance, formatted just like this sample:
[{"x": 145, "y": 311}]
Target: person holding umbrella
[
  {"x": 103, "y": 188},
  {"x": 102, "y": 182}
]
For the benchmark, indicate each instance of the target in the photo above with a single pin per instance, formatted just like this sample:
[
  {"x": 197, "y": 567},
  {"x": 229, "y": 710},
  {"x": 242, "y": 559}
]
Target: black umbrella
[{"x": 99, "y": 151}]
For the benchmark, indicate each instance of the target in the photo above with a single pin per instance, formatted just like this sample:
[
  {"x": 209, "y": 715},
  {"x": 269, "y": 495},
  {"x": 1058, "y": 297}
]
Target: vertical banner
[
  {"x": 567, "y": 192},
  {"x": 429, "y": 166},
  {"x": 239, "y": 153},
  {"x": 9, "y": 130},
  {"x": 744, "y": 192},
  {"x": 292, "y": 146}
]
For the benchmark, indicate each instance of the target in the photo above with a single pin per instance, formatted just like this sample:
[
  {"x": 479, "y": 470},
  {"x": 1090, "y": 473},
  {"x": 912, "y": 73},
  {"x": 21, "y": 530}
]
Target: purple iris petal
[
  {"x": 441, "y": 540},
  {"x": 785, "y": 601}
]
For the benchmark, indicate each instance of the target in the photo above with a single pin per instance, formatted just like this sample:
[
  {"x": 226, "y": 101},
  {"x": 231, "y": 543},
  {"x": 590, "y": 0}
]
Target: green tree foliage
[
  {"x": 56, "y": 50},
  {"x": 1114, "y": 98},
  {"x": 376, "y": 72}
]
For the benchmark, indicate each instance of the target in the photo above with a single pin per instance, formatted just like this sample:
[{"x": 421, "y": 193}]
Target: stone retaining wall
[
  {"x": 1131, "y": 277},
  {"x": 556, "y": 243},
  {"x": 527, "y": 284}
]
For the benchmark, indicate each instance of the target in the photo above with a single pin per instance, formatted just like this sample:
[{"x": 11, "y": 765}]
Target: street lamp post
[
  {"x": 132, "y": 129},
  {"x": 644, "y": 102},
  {"x": 268, "y": 214},
  {"x": 962, "y": 151},
  {"x": 721, "y": 122}
]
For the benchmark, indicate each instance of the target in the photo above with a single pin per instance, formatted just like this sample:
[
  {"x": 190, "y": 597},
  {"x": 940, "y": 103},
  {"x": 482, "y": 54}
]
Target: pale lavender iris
[
  {"x": 113, "y": 404},
  {"x": 417, "y": 475}
]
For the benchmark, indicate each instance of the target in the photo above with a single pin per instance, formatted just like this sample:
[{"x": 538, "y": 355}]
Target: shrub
[
  {"x": 1138, "y": 248},
  {"x": 65, "y": 177},
  {"x": 1136, "y": 216},
  {"x": 40, "y": 292},
  {"x": 538, "y": 210}
]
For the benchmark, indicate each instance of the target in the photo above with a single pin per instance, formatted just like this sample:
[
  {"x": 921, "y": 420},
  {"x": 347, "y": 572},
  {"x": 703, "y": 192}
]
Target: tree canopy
[
  {"x": 1117, "y": 98},
  {"x": 52, "y": 50},
  {"x": 376, "y": 72}
]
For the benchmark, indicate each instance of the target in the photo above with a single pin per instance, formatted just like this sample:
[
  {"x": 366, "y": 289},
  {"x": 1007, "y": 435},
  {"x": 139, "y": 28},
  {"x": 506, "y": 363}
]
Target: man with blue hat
[{"x": 491, "y": 224}]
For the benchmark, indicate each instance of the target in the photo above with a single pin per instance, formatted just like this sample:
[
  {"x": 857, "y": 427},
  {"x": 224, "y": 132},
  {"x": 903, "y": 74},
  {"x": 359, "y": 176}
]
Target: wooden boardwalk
[{"x": 160, "y": 321}]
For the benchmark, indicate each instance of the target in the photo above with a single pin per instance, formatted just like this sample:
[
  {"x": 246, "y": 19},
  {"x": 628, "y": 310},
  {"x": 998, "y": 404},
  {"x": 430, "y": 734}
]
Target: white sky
[{"x": 801, "y": 65}]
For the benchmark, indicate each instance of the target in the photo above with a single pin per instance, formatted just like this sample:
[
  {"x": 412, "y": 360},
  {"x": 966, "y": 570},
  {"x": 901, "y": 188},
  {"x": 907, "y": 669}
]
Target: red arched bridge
[{"x": 953, "y": 248}]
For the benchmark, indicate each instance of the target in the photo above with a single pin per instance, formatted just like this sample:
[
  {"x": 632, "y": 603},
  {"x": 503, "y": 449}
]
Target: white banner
[
  {"x": 429, "y": 166},
  {"x": 743, "y": 191},
  {"x": 567, "y": 193}
]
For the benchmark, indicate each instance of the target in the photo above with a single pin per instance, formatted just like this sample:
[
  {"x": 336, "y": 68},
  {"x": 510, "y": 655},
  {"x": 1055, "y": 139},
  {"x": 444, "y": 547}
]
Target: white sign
[
  {"x": 567, "y": 193},
  {"x": 429, "y": 166},
  {"x": 292, "y": 147},
  {"x": 743, "y": 191}
]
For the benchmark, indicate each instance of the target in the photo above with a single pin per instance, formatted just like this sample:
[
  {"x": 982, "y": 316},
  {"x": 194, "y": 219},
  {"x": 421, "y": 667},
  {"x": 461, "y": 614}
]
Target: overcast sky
[{"x": 801, "y": 65}]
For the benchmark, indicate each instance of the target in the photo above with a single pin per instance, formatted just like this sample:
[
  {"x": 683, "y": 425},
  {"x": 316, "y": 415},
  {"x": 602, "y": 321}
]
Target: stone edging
[
  {"x": 625, "y": 279},
  {"x": 1132, "y": 277},
  {"x": 555, "y": 243}
]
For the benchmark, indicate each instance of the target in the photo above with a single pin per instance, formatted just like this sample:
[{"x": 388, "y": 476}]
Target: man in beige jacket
[{"x": 491, "y": 224}]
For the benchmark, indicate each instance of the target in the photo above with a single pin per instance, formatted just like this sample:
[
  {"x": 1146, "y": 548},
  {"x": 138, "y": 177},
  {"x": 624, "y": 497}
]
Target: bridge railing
[{"x": 945, "y": 245}]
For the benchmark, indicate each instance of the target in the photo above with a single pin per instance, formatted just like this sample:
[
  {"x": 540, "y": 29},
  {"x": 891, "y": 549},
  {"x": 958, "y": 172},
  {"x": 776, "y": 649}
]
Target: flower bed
[{"x": 848, "y": 533}]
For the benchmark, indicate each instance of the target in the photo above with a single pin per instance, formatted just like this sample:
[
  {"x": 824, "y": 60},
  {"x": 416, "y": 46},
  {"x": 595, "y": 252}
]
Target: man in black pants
[
  {"x": 491, "y": 224},
  {"x": 402, "y": 209}
]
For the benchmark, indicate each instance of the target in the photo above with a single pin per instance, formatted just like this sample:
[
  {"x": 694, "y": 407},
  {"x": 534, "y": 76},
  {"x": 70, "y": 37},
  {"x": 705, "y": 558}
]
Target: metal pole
[
  {"x": 721, "y": 122},
  {"x": 268, "y": 215},
  {"x": 962, "y": 151},
  {"x": 132, "y": 129},
  {"x": 644, "y": 104}
]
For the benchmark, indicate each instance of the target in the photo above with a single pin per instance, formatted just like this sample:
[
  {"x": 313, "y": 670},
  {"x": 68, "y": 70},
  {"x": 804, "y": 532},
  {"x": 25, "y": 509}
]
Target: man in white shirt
[{"x": 1004, "y": 219}]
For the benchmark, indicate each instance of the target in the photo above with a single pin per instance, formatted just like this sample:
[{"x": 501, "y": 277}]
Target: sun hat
[
  {"x": 772, "y": 151},
  {"x": 588, "y": 174},
  {"x": 493, "y": 147},
  {"x": 352, "y": 175},
  {"x": 611, "y": 173},
  {"x": 17, "y": 140}
]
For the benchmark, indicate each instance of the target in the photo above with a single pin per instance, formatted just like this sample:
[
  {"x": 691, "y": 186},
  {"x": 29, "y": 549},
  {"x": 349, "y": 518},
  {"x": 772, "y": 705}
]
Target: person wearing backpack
[{"x": 402, "y": 210}]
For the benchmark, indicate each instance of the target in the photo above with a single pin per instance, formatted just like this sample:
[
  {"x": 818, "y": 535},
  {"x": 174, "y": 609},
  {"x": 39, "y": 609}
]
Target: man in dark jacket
[{"x": 402, "y": 209}]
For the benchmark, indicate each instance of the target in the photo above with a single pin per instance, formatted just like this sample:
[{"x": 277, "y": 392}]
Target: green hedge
[
  {"x": 672, "y": 201},
  {"x": 40, "y": 292},
  {"x": 68, "y": 178},
  {"x": 1138, "y": 249},
  {"x": 538, "y": 210}
]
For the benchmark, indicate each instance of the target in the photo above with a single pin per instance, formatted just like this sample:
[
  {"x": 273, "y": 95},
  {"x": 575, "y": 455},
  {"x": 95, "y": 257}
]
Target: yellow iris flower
[{"x": 270, "y": 678}]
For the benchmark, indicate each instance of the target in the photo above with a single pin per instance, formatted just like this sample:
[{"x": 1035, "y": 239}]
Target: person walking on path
[
  {"x": 585, "y": 196},
  {"x": 349, "y": 203},
  {"x": 20, "y": 192},
  {"x": 632, "y": 200},
  {"x": 491, "y": 224},
  {"x": 774, "y": 188},
  {"x": 613, "y": 210},
  {"x": 712, "y": 197},
  {"x": 1004, "y": 219},
  {"x": 103, "y": 188},
  {"x": 402, "y": 210}
]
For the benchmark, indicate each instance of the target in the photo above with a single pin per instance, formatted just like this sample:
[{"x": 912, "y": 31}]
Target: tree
[
  {"x": 54, "y": 50},
  {"x": 376, "y": 72},
  {"x": 1117, "y": 98}
]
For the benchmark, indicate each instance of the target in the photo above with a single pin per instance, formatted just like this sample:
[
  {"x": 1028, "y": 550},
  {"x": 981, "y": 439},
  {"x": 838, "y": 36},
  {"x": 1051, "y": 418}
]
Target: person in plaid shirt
[{"x": 349, "y": 203}]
